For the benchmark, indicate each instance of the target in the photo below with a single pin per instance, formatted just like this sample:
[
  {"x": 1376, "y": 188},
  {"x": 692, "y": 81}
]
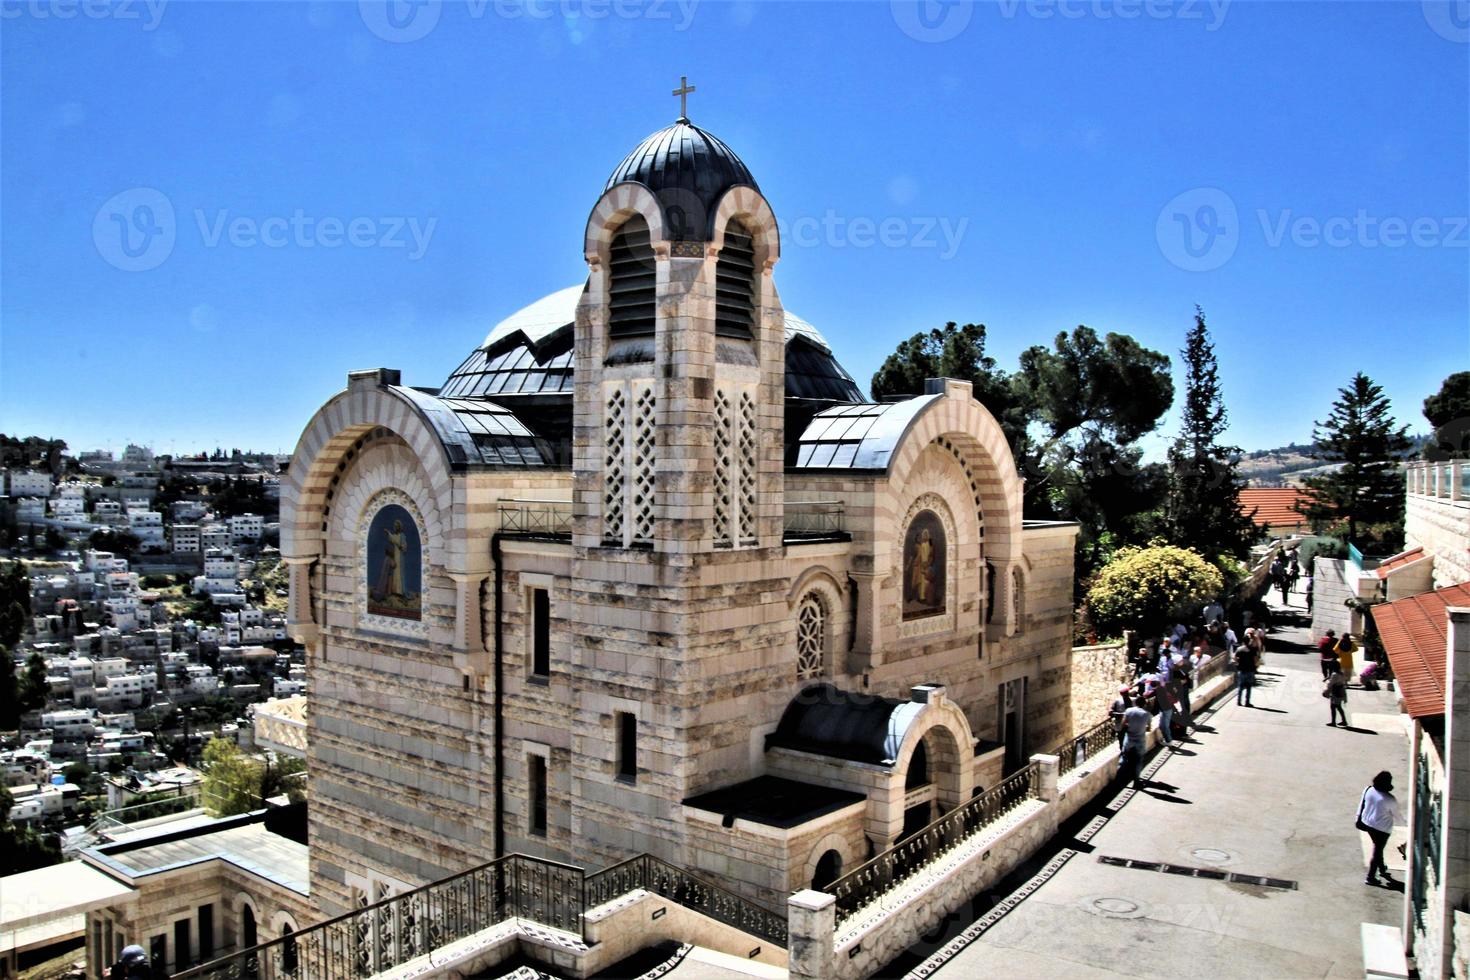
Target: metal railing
[
  {"x": 391, "y": 932},
  {"x": 386, "y": 935},
  {"x": 691, "y": 891},
  {"x": 549, "y": 518},
  {"x": 869, "y": 882},
  {"x": 1077, "y": 750},
  {"x": 814, "y": 519}
]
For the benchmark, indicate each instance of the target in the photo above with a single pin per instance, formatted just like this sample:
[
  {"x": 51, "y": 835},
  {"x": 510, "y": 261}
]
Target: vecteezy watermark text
[
  {"x": 404, "y": 21},
  {"x": 304, "y": 231},
  {"x": 136, "y": 230},
  {"x": 934, "y": 21},
  {"x": 148, "y": 12},
  {"x": 1199, "y": 230}
]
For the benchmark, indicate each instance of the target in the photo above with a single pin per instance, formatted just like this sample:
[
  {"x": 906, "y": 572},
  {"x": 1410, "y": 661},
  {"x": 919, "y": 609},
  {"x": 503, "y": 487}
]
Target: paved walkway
[{"x": 1268, "y": 791}]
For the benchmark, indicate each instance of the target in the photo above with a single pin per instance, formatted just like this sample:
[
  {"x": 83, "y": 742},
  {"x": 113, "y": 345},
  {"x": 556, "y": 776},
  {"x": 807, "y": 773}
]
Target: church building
[{"x": 648, "y": 573}]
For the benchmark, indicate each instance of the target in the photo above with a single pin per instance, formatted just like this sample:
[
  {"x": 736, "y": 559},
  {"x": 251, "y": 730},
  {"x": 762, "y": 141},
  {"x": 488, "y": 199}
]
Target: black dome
[{"x": 688, "y": 170}]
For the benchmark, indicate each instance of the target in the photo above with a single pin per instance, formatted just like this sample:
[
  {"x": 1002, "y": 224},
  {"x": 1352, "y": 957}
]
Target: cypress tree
[{"x": 1204, "y": 489}]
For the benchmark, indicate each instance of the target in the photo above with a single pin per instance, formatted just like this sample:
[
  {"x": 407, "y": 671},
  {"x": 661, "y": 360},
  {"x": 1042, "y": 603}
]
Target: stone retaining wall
[{"x": 1097, "y": 673}]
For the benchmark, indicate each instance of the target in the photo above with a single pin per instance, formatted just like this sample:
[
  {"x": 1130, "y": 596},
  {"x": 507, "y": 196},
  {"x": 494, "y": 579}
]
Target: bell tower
[{"x": 677, "y": 484}]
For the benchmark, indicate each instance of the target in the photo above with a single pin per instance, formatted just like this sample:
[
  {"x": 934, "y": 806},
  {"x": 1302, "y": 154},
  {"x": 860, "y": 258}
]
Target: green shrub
[{"x": 1148, "y": 589}]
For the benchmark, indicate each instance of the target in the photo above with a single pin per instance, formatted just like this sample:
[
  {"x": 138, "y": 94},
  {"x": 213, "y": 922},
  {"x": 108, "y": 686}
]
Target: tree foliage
[
  {"x": 9, "y": 693},
  {"x": 237, "y": 783},
  {"x": 121, "y": 543},
  {"x": 1365, "y": 493},
  {"x": 1071, "y": 412},
  {"x": 1204, "y": 489},
  {"x": 1150, "y": 588},
  {"x": 22, "y": 848},
  {"x": 34, "y": 690},
  {"x": 1448, "y": 410}
]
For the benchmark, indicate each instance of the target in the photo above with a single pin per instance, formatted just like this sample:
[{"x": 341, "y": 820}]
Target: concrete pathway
[{"x": 1265, "y": 791}]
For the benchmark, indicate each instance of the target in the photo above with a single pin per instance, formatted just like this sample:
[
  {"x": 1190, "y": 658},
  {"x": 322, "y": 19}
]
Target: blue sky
[{"x": 309, "y": 189}]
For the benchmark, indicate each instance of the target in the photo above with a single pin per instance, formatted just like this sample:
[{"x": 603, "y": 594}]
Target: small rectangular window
[
  {"x": 537, "y": 776},
  {"x": 627, "y": 746},
  {"x": 158, "y": 954},
  {"x": 540, "y": 632}
]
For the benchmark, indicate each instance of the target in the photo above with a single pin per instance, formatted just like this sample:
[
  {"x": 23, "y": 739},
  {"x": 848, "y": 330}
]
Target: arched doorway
[
  {"x": 288, "y": 949},
  {"x": 829, "y": 869},
  {"x": 931, "y": 781},
  {"x": 247, "y": 926}
]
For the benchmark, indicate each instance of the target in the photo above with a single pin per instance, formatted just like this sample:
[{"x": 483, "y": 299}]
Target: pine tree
[
  {"x": 1366, "y": 491},
  {"x": 1204, "y": 490}
]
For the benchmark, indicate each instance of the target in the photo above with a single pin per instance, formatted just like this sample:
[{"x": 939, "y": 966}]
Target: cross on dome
[{"x": 683, "y": 93}]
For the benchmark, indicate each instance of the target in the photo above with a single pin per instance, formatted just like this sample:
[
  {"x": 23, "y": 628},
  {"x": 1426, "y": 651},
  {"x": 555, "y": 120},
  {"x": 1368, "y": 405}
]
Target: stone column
[
  {"x": 1457, "y": 472},
  {"x": 1048, "y": 770},
  {"x": 471, "y": 654},
  {"x": 811, "y": 920},
  {"x": 866, "y": 624},
  {"x": 1455, "y": 832}
]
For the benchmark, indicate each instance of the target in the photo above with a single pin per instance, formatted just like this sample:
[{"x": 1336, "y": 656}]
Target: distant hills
[{"x": 1288, "y": 465}]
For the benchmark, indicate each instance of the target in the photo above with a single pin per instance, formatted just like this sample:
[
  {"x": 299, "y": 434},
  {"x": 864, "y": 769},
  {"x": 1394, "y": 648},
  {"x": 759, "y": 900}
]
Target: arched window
[
  {"x": 631, "y": 310},
  {"x": 811, "y": 638},
  {"x": 735, "y": 283},
  {"x": 288, "y": 949}
]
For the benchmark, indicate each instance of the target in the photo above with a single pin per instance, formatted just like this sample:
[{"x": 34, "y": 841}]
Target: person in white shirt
[{"x": 1378, "y": 813}]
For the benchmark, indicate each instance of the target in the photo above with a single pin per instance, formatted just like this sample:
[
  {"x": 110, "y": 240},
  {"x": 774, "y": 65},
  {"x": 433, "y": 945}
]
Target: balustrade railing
[
  {"x": 1446, "y": 479},
  {"x": 395, "y": 930},
  {"x": 551, "y": 518},
  {"x": 398, "y": 929},
  {"x": 814, "y": 519},
  {"x": 691, "y": 891},
  {"x": 870, "y": 882},
  {"x": 1075, "y": 751}
]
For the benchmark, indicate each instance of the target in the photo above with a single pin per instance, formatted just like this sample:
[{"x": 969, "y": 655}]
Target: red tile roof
[
  {"x": 1413, "y": 631},
  {"x": 1398, "y": 561},
  {"x": 1273, "y": 505}
]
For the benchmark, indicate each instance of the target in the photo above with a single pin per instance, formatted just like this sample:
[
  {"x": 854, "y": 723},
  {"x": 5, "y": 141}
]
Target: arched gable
[
  {"x": 947, "y": 719},
  {"x": 981, "y": 443},
  {"x": 329, "y": 445}
]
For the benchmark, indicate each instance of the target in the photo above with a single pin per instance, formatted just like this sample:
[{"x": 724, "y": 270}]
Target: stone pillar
[
  {"x": 300, "y": 615},
  {"x": 1455, "y": 832},
  {"x": 1048, "y": 770},
  {"x": 866, "y": 625},
  {"x": 811, "y": 920},
  {"x": 471, "y": 654},
  {"x": 1457, "y": 474}
]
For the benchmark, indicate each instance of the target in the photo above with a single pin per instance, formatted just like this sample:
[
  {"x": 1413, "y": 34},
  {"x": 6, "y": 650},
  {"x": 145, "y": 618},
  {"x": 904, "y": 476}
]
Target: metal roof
[
  {"x": 858, "y": 437},
  {"x": 249, "y": 846},
  {"x": 688, "y": 170},
  {"x": 825, "y": 720},
  {"x": 559, "y": 309},
  {"x": 476, "y": 431}
]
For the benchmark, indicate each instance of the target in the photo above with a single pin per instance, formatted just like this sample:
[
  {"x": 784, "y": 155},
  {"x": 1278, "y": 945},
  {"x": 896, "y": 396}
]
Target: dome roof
[
  {"x": 530, "y": 352},
  {"x": 688, "y": 170}
]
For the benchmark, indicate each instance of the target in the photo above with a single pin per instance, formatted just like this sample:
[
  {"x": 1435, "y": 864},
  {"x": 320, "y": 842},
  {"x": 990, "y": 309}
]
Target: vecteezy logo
[
  {"x": 134, "y": 231},
  {"x": 400, "y": 21},
  {"x": 1450, "y": 19},
  {"x": 932, "y": 21},
  {"x": 1199, "y": 230}
]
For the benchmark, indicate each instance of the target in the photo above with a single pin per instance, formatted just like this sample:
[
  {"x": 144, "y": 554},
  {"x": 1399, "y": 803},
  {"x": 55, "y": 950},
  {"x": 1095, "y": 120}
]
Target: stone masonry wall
[
  {"x": 1097, "y": 673},
  {"x": 1442, "y": 527}
]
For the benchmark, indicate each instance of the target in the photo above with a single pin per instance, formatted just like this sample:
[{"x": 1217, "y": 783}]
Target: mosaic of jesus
[
  {"x": 394, "y": 565},
  {"x": 923, "y": 566}
]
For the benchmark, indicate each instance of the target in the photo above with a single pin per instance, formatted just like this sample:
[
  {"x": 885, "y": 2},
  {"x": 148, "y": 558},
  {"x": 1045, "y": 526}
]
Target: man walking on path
[
  {"x": 1136, "y": 722},
  {"x": 1245, "y": 673}
]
